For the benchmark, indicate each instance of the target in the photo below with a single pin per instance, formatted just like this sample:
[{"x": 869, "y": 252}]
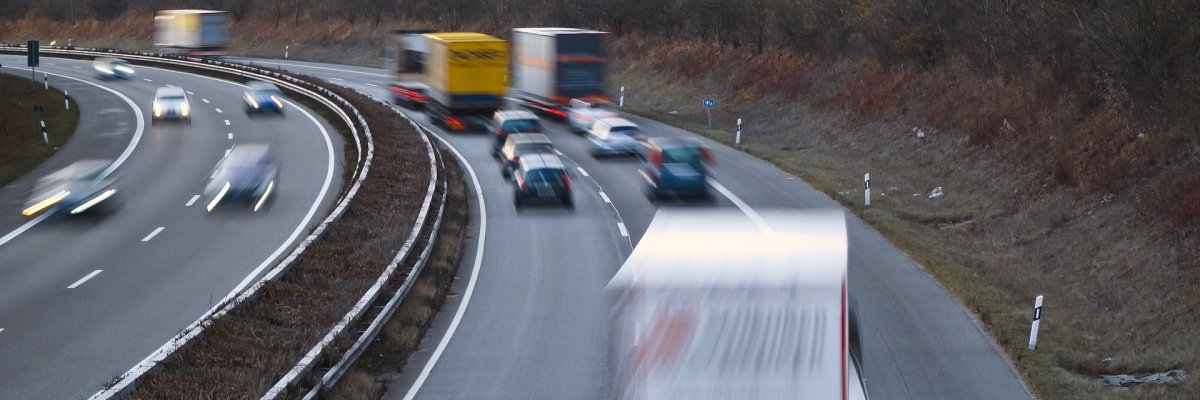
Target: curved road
[
  {"x": 65, "y": 329},
  {"x": 529, "y": 319}
]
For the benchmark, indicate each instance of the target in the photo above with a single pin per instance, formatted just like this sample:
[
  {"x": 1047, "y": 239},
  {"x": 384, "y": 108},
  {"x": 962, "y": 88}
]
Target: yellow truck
[{"x": 467, "y": 78}]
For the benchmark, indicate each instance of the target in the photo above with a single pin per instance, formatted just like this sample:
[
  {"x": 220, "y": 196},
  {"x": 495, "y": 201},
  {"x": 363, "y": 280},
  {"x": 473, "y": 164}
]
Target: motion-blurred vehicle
[
  {"x": 678, "y": 166},
  {"x": 405, "y": 56},
  {"x": 193, "y": 33},
  {"x": 551, "y": 66},
  {"x": 716, "y": 305},
  {"x": 82, "y": 187},
  {"x": 467, "y": 75},
  {"x": 245, "y": 177},
  {"x": 521, "y": 145},
  {"x": 112, "y": 68},
  {"x": 171, "y": 103},
  {"x": 262, "y": 97},
  {"x": 582, "y": 114},
  {"x": 615, "y": 136},
  {"x": 506, "y": 122},
  {"x": 541, "y": 177}
]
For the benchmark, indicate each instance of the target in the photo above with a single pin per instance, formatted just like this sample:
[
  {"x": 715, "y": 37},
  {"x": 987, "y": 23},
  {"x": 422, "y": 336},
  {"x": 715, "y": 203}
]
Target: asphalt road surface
[{"x": 162, "y": 260}]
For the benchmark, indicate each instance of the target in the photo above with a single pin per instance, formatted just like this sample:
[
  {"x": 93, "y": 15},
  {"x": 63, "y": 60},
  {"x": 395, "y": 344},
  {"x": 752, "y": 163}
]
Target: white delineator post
[
  {"x": 1037, "y": 320},
  {"x": 867, "y": 190},
  {"x": 621, "y": 100},
  {"x": 285, "y": 52},
  {"x": 46, "y": 79},
  {"x": 737, "y": 138},
  {"x": 45, "y": 137},
  {"x": 66, "y": 100}
]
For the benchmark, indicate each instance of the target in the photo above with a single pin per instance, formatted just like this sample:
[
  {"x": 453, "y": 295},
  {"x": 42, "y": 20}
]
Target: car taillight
[
  {"x": 557, "y": 112},
  {"x": 455, "y": 124},
  {"x": 521, "y": 183},
  {"x": 566, "y": 180}
]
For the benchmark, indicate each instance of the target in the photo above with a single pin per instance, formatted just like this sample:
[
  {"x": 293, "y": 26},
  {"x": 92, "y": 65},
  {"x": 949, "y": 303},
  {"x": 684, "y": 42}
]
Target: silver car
[
  {"x": 171, "y": 103},
  {"x": 83, "y": 186},
  {"x": 245, "y": 177},
  {"x": 112, "y": 68},
  {"x": 616, "y": 136}
]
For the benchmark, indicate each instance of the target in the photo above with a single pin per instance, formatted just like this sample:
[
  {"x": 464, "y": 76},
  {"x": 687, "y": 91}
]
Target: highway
[
  {"x": 83, "y": 300},
  {"x": 527, "y": 319}
]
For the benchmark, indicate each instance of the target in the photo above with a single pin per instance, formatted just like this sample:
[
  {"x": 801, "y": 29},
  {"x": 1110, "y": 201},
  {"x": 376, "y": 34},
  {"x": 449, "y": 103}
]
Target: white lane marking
[
  {"x": 621, "y": 227},
  {"x": 754, "y": 217},
  {"x": 605, "y": 197},
  {"x": 219, "y": 111},
  {"x": 170, "y": 85},
  {"x": 559, "y": 152},
  {"x": 161, "y": 353},
  {"x": 76, "y": 67},
  {"x": 204, "y": 100},
  {"x": 192, "y": 201},
  {"x": 147, "y": 80},
  {"x": 582, "y": 171},
  {"x": 137, "y": 137},
  {"x": 226, "y": 122},
  {"x": 227, "y": 151},
  {"x": 462, "y": 307},
  {"x": 337, "y": 79},
  {"x": 190, "y": 92},
  {"x": 230, "y": 135},
  {"x": 152, "y": 234},
  {"x": 85, "y": 279},
  {"x": 370, "y": 84},
  {"x": 1, "y": 329},
  {"x": 324, "y": 68}
]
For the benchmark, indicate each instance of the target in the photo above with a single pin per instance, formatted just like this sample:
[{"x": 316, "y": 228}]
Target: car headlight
[
  {"x": 103, "y": 69},
  {"x": 157, "y": 109},
  {"x": 250, "y": 101},
  {"x": 184, "y": 109},
  {"x": 278, "y": 103},
  {"x": 44, "y": 204},
  {"x": 125, "y": 69}
]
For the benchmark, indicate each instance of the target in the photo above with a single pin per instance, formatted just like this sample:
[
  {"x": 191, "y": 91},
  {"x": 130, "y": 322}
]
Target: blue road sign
[{"x": 709, "y": 103}]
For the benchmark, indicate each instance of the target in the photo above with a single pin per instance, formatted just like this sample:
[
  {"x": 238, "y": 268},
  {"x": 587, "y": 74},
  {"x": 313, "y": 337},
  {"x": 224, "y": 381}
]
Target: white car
[
  {"x": 112, "y": 68},
  {"x": 616, "y": 136},
  {"x": 171, "y": 103},
  {"x": 582, "y": 114}
]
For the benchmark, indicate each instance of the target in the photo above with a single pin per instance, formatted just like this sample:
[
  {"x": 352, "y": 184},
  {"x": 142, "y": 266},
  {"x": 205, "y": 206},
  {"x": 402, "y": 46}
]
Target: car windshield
[
  {"x": 624, "y": 131},
  {"x": 534, "y": 148},
  {"x": 171, "y": 97},
  {"x": 547, "y": 174},
  {"x": 683, "y": 155},
  {"x": 522, "y": 125}
]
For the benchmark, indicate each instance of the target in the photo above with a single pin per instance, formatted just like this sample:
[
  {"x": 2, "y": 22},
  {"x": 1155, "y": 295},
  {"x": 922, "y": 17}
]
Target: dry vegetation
[
  {"x": 23, "y": 146},
  {"x": 244, "y": 353},
  {"x": 1063, "y": 132}
]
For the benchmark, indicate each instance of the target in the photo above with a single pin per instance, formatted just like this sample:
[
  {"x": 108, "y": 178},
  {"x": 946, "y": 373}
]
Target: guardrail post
[
  {"x": 867, "y": 190},
  {"x": 1037, "y": 321},
  {"x": 66, "y": 100}
]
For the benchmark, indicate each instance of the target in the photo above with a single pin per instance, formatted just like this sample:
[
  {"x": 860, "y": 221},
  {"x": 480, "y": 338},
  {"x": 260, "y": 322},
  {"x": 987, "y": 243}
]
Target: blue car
[
  {"x": 677, "y": 166},
  {"x": 245, "y": 177},
  {"x": 263, "y": 98}
]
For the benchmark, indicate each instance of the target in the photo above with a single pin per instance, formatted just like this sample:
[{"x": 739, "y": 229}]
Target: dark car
[
  {"x": 520, "y": 145},
  {"x": 263, "y": 97},
  {"x": 541, "y": 177},
  {"x": 678, "y": 166},
  {"x": 506, "y": 122},
  {"x": 246, "y": 176},
  {"x": 83, "y": 186}
]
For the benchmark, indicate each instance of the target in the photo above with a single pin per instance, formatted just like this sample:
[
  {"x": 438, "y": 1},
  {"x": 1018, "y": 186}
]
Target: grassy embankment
[
  {"x": 24, "y": 148},
  {"x": 1046, "y": 192}
]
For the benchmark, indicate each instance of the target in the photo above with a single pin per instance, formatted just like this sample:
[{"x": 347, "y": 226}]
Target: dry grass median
[{"x": 23, "y": 146}]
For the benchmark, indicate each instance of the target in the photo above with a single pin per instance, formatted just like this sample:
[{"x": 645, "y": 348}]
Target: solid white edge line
[
  {"x": 466, "y": 299},
  {"x": 582, "y": 171},
  {"x": 149, "y": 361},
  {"x": 152, "y": 234},
  {"x": 370, "y": 84},
  {"x": 85, "y": 279},
  {"x": 621, "y": 227},
  {"x": 737, "y": 201},
  {"x": 133, "y": 143},
  {"x": 337, "y": 79},
  {"x": 192, "y": 201},
  {"x": 605, "y": 197}
]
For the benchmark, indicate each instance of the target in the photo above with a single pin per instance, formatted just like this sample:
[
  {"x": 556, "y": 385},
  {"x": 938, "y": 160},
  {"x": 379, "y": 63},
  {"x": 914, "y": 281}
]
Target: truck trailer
[
  {"x": 404, "y": 57},
  {"x": 467, "y": 79},
  {"x": 551, "y": 66},
  {"x": 718, "y": 304},
  {"x": 194, "y": 33}
]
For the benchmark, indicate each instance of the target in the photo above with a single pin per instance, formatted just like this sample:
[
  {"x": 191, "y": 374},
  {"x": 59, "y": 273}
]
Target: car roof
[
  {"x": 168, "y": 90},
  {"x": 260, "y": 85},
  {"x": 523, "y": 138},
  {"x": 617, "y": 122},
  {"x": 247, "y": 153},
  {"x": 541, "y": 161},
  {"x": 504, "y": 115},
  {"x": 676, "y": 141}
]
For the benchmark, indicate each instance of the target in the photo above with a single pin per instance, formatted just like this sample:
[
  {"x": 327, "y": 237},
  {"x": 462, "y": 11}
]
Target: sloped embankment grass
[
  {"x": 24, "y": 148},
  {"x": 1045, "y": 193}
]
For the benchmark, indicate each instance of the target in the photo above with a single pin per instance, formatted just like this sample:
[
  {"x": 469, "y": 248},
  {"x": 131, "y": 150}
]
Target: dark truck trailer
[
  {"x": 404, "y": 57},
  {"x": 551, "y": 66}
]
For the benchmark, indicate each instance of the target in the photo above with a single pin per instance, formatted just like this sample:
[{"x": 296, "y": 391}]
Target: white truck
[
  {"x": 718, "y": 305},
  {"x": 551, "y": 66},
  {"x": 194, "y": 33}
]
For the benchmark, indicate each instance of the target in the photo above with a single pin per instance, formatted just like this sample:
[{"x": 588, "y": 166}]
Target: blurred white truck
[
  {"x": 551, "y": 66},
  {"x": 194, "y": 33},
  {"x": 719, "y": 305}
]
